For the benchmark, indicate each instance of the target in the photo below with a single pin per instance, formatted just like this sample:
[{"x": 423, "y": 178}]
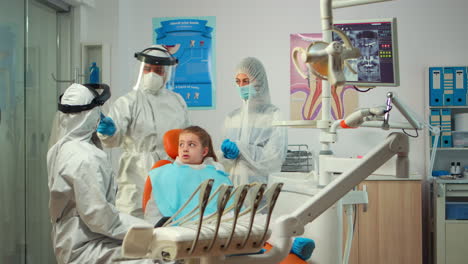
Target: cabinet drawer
[
  {"x": 456, "y": 246},
  {"x": 452, "y": 190}
]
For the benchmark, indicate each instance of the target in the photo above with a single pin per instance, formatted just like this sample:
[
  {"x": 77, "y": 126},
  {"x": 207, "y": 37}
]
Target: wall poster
[
  {"x": 306, "y": 94},
  {"x": 191, "y": 40}
]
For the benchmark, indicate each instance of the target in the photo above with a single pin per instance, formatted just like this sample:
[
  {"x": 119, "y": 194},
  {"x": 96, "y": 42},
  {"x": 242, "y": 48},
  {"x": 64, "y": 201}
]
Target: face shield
[
  {"x": 157, "y": 69},
  {"x": 99, "y": 99},
  {"x": 79, "y": 98}
]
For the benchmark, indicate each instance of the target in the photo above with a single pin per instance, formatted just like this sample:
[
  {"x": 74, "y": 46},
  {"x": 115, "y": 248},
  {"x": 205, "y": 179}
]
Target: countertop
[
  {"x": 462, "y": 180},
  {"x": 412, "y": 177}
]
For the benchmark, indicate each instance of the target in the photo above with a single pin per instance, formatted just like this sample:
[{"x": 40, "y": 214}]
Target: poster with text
[
  {"x": 191, "y": 40},
  {"x": 306, "y": 89}
]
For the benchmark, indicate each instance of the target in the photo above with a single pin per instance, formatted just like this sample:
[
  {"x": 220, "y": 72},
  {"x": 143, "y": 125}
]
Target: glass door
[
  {"x": 12, "y": 141},
  {"x": 29, "y": 48},
  {"x": 40, "y": 101}
]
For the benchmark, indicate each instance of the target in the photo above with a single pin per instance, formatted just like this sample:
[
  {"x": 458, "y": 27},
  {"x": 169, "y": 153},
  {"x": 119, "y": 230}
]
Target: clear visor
[{"x": 155, "y": 77}]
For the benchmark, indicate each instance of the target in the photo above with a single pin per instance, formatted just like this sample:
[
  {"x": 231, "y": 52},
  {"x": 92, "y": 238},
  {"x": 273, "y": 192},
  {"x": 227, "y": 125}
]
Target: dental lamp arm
[
  {"x": 288, "y": 226},
  {"x": 348, "y": 3},
  {"x": 391, "y": 98},
  {"x": 394, "y": 125},
  {"x": 372, "y": 117},
  {"x": 396, "y": 143},
  {"x": 357, "y": 118}
]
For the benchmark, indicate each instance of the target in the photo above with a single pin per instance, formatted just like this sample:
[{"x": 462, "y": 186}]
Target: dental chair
[{"x": 171, "y": 145}]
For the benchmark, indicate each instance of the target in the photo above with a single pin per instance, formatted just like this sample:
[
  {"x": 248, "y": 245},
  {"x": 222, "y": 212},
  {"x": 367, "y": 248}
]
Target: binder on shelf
[
  {"x": 466, "y": 79},
  {"x": 446, "y": 128},
  {"x": 436, "y": 86},
  {"x": 449, "y": 79},
  {"x": 459, "y": 91},
  {"x": 434, "y": 120}
]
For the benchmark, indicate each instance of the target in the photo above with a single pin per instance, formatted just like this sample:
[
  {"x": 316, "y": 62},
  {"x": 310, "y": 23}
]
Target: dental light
[{"x": 326, "y": 60}]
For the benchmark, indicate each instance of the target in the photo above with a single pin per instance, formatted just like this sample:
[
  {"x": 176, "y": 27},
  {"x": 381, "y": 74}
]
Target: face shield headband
[
  {"x": 155, "y": 60},
  {"x": 99, "y": 99}
]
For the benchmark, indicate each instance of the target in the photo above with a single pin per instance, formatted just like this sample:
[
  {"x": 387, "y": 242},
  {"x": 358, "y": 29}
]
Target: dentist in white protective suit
[
  {"x": 253, "y": 148},
  {"x": 86, "y": 225},
  {"x": 137, "y": 122}
]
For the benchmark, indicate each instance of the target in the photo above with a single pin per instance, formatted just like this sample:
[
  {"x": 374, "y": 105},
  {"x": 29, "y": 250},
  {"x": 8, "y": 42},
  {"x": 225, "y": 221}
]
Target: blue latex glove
[
  {"x": 230, "y": 149},
  {"x": 303, "y": 247},
  {"x": 106, "y": 126}
]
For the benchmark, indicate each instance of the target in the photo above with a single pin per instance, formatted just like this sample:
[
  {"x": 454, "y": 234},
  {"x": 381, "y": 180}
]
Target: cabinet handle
[
  {"x": 364, "y": 206},
  {"x": 440, "y": 189},
  {"x": 456, "y": 190}
]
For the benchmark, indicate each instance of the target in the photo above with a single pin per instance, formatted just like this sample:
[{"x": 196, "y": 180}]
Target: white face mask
[{"x": 152, "y": 82}]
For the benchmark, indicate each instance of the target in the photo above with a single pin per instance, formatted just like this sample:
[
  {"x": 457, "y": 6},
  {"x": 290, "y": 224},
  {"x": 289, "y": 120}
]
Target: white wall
[{"x": 431, "y": 32}]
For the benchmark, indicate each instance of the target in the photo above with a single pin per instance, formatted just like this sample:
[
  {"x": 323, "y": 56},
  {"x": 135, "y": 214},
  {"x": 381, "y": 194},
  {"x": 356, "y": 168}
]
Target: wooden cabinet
[{"x": 388, "y": 229}]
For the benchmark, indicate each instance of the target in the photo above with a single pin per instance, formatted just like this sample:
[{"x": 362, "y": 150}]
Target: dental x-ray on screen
[{"x": 377, "y": 40}]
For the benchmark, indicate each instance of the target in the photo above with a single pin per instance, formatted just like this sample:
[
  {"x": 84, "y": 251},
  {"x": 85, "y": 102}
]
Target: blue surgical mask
[{"x": 246, "y": 91}]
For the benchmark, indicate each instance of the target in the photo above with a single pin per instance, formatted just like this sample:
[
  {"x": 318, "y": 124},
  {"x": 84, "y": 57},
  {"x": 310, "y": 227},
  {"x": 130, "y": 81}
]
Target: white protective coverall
[
  {"x": 86, "y": 225},
  {"x": 262, "y": 147},
  {"x": 141, "y": 118}
]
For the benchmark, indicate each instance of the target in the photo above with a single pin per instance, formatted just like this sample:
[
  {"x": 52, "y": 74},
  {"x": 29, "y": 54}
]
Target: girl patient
[{"x": 174, "y": 183}]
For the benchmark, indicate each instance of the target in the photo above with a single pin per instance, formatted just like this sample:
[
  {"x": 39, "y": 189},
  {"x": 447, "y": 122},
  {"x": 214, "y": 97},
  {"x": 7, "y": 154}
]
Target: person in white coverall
[
  {"x": 86, "y": 225},
  {"x": 138, "y": 121},
  {"x": 253, "y": 148}
]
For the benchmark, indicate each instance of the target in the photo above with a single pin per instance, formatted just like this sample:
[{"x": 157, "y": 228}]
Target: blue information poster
[{"x": 191, "y": 40}]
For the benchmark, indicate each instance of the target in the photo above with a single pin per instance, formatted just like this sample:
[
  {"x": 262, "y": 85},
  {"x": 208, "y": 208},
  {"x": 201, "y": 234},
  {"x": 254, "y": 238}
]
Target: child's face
[{"x": 191, "y": 150}]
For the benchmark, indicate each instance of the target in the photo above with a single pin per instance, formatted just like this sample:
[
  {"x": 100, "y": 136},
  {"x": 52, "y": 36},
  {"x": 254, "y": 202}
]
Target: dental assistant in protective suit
[
  {"x": 253, "y": 148},
  {"x": 137, "y": 122},
  {"x": 86, "y": 225}
]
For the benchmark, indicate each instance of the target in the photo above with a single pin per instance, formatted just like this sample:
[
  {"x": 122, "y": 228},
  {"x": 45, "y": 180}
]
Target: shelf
[
  {"x": 450, "y": 107},
  {"x": 99, "y": 53},
  {"x": 444, "y": 149},
  {"x": 458, "y": 181},
  {"x": 447, "y": 234},
  {"x": 456, "y": 222}
]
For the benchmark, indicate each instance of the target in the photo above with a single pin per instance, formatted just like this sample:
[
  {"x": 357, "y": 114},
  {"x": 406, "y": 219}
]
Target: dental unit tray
[
  {"x": 230, "y": 230},
  {"x": 298, "y": 159}
]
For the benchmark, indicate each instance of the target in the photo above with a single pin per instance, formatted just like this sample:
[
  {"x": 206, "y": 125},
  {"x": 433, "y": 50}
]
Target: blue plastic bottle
[{"x": 93, "y": 73}]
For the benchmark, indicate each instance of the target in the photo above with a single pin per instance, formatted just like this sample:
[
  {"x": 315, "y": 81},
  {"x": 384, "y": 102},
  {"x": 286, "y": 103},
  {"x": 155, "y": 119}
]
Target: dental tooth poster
[
  {"x": 306, "y": 89},
  {"x": 191, "y": 40}
]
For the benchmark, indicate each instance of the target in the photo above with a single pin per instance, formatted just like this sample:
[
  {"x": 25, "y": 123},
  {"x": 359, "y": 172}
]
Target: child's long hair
[{"x": 205, "y": 139}]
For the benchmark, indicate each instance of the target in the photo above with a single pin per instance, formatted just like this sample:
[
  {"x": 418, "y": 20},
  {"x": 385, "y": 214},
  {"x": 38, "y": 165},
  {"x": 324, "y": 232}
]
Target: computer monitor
[{"x": 377, "y": 40}]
